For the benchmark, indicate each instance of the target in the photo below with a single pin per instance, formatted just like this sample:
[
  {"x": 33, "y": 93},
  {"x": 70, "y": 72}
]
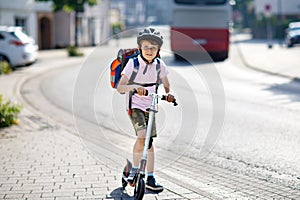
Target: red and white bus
[{"x": 205, "y": 22}]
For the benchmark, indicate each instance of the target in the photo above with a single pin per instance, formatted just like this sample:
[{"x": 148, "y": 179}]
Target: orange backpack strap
[{"x": 115, "y": 73}]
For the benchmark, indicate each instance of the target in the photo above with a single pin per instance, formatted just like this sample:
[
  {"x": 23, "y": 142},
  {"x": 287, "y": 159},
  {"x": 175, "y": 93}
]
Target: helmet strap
[
  {"x": 157, "y": 55},
  {"x": 147, "y": 62}
]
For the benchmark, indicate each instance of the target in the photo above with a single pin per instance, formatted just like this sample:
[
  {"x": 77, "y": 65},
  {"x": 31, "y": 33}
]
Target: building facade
[
  {"x": 278, "y": 7},
  {"x": 55, "y": 30},
  {"x": 136, "y": 13}
]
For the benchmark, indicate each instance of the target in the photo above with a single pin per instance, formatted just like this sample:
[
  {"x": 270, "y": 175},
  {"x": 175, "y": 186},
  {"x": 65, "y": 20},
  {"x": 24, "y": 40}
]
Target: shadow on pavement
[
  {"x": 291, "y": 89},
  {"x": 152, "y": 192},
  {"x": 119, "y": 193}
]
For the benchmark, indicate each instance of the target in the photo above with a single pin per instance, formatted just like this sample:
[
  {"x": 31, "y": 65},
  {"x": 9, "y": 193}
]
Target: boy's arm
[
  {"x": 166, "y": 84},
  {"x": 124, "y": 87},
  {"x": 165, "y": 81}
]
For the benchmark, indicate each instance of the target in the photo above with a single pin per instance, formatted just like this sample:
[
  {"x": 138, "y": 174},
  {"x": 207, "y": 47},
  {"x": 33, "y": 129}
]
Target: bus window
[{"x": 203, "y": 2}]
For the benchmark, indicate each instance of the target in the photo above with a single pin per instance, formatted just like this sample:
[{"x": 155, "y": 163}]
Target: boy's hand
[
  {"x": 141, "y": 91},
  {"x": 170, "y": 98}
]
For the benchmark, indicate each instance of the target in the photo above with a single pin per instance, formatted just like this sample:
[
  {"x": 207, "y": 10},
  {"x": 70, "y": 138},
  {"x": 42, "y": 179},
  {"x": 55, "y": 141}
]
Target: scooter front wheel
[
  {"x": 139, "y": 189},
  {"x": 124, "y": 183}
]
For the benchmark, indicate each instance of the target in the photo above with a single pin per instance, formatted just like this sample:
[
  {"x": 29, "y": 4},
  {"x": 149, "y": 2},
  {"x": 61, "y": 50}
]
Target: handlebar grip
[
  {"x": 164, "y": 97},
  {"x": 174, "y": 102},
  {"x": 134, "y": 91}
]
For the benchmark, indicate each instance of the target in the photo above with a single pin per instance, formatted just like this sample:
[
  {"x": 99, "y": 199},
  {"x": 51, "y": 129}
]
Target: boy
[{"x": 149, "y": 42}]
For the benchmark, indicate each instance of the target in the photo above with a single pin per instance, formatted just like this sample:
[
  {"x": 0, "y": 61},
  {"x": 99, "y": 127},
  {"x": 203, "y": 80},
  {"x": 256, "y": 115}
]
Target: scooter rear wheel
[{"x": 139, "y": 189}]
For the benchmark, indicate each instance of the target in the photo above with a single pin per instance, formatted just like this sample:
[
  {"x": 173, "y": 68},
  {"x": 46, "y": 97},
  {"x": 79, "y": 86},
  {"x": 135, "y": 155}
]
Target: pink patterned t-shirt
[{"x": 146, "y": 74}]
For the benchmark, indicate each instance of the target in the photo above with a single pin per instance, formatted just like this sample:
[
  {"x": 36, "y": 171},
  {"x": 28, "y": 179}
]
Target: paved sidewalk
[
  {"x": 39, "y": 160},
  {"x": 42, "y": 160},
  {"x": 278, "y": 60}
]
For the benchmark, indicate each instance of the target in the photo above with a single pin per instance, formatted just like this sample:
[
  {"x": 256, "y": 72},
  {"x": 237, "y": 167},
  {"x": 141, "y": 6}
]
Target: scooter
[{"x": 138, "y": 182}]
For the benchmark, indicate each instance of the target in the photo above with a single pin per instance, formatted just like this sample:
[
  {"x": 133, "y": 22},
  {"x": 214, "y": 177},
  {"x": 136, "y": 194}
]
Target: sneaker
[
  {"x": 152, "y": 185},
  {"x": 132, "y": 174}
]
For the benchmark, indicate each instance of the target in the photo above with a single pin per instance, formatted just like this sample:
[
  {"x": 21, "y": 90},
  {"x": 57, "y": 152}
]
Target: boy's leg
[
  {"x": 137, "y": 153},
  {"x": 139, "y": 123},
  {"x": 151, "y": 182},
  {"x": 150, "y": 160},
  {"x": 138, "y": 147}
]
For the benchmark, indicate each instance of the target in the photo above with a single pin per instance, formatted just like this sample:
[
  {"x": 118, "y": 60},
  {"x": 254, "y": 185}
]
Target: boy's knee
[
  {"x": 150, "y": 143},
  {"x": 140, "y": 142}
]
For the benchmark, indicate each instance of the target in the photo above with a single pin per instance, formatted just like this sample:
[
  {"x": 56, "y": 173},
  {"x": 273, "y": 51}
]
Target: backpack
[{"x": 118, "y": 64}]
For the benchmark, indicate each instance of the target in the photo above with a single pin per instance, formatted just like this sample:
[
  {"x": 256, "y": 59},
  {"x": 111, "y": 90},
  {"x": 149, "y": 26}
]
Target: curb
[
  {"x": 260, "y": 69},
  {"x": 34, "y": 73},
  {"x": 31, "y": 107}
]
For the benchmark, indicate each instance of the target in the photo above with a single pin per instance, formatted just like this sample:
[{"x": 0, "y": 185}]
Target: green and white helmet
[{"x": 152, "y": 34}]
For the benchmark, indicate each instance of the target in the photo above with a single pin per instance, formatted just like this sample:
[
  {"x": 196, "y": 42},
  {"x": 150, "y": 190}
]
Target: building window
[{"x": 21, "y": 22}]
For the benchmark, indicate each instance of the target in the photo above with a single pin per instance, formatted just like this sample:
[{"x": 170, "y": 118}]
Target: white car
[
  {"x": 293, "y": 34},
  {"x": 16, "y": 47}
]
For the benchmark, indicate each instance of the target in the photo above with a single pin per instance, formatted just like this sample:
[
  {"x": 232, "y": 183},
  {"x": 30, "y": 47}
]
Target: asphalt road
[{"x": 229, "y": 117}]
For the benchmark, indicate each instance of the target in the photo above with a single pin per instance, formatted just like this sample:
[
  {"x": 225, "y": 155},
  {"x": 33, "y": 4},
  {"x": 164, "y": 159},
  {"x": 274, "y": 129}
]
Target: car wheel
[
  {"x": 289, "y": 44},
  {"x": 4, "y": 59}
]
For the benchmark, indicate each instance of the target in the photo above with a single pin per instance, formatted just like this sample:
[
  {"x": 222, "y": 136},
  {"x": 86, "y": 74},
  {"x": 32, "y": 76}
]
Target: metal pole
[
  {"x": 146, "y": 12},
  {"x": 76, "y": 28},
  {"x": 269, "y": 32},
  {"x": 268, "y": 14},
  {"x": 280, "y": 26}
]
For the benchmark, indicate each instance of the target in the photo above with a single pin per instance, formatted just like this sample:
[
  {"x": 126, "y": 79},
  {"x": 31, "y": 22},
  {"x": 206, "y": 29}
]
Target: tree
[
  {"x": 245, "y": 7},
  {"x": 69, "y": 6}
]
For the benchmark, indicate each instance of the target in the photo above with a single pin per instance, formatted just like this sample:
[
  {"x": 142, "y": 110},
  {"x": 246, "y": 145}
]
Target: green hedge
[
  {"x": 73, "y": 51},
  {"x": 8, "y": 112},
  {"x": 4, "y": 67}
]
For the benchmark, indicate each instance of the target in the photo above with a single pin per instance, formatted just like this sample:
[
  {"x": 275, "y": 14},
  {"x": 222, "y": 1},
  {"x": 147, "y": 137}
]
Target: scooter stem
[{"x": 148, "y": 134}]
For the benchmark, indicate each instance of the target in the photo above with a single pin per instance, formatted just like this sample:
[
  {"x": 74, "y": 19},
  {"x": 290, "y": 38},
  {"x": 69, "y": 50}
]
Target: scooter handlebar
[{"x": 163, "y": 97}]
